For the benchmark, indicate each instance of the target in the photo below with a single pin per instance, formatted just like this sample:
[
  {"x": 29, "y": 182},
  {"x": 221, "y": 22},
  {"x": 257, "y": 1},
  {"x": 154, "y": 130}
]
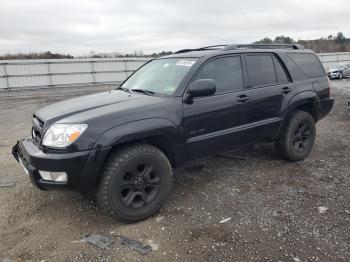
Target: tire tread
[
  {"x": 282, "y": 143},
  {"x": 115, "y": 160}
]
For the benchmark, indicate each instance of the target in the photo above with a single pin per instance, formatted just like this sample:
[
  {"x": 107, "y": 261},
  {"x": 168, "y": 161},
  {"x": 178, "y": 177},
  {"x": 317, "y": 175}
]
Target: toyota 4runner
[{"x": 123, "y": 143}]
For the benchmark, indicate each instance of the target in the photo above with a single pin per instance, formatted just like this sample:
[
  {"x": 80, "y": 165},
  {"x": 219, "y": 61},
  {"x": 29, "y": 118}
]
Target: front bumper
[
  {"x": 333, "y": 75},
  {"x": 82, "y": 167}
]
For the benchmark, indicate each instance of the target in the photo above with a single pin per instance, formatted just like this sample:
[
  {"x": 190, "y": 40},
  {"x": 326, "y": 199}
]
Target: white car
[{"x": 339, "y": 71}]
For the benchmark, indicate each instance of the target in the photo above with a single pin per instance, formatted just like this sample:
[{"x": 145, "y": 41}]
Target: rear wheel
[
  {"x": 297, "y": 137},
  {"x": 135, "y": 182}
]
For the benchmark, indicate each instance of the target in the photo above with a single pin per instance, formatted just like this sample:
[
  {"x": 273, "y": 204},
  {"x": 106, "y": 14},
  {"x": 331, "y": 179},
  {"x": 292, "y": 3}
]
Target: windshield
[{"x": 160, "y": 76}]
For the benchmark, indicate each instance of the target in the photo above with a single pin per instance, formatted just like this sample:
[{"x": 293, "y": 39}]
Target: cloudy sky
[{"x": 80, "y": 26}]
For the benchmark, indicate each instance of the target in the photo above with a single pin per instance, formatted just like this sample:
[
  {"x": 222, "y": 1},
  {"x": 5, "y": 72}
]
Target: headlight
[{"x": 62, "y": 135}]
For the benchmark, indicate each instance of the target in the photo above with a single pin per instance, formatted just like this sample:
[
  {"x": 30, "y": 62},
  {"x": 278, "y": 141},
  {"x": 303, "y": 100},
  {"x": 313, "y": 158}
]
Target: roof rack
[
  {"x": 263, "y": 46},
  {"x": 215, "y": 47},
  {"x": 243, "y": 46}
]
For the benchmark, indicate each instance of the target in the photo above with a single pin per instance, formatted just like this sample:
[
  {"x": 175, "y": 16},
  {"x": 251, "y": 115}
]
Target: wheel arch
[
  {"x": 159, "y": 132},
  {"x": 306, "y": 101},
  {"x": 158, "y": 141}
]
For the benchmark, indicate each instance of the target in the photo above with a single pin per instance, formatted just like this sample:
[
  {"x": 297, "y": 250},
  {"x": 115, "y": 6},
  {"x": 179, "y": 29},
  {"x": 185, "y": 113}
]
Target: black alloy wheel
[
  {"x": 297, "y": 136},
  {"x": 140, "y": 185},
  {"x": 301, "y": 137},
  {"x": 135, "y": 182}
]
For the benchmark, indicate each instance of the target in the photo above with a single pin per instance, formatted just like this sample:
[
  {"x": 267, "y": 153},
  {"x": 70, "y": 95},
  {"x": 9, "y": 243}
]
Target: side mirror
[{"x": 201, "y": 87}]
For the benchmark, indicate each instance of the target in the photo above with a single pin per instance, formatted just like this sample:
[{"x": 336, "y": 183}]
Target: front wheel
[
  {"x": 297, "y": 137},
  {"x": 135, "y": 182},
  {"x": 340, "y": 75}
]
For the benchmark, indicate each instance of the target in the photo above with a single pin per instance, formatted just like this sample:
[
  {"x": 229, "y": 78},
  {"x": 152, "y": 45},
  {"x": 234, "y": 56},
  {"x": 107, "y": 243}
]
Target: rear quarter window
[
  {"x": 280, "y": 73},
  {"x": 308, "y": 63}
]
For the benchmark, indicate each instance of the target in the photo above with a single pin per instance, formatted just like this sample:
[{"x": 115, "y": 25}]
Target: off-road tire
[
  {"x": 290, "y": 140},
  {"x": 123, "y": 166}
]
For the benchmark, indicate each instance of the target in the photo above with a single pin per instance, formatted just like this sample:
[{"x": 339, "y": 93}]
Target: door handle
[
  {"x": 286, "y": 90},
  {"x": 242, "y": 99}
]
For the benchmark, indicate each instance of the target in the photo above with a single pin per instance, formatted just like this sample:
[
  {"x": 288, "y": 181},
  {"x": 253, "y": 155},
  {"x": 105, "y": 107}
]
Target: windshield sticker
[
  {"x": 185, "y": 63},
  {"x": 169, "y": 88}
]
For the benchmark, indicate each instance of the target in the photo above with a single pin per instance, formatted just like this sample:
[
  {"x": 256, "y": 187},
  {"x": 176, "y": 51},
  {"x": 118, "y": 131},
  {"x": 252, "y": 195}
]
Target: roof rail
[
  {"x": 242, "y": 46},
  {"x": 201, "y": 49},
  {"x": 263, "y": 46}
]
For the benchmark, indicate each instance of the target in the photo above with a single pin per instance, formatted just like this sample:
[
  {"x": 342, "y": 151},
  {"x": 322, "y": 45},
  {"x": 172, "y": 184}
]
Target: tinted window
[
  {"x": 294, "y": 70},
  {"x": 226, "y": 72},
  {"x": 261, "y": 71},
  {"x": 280, "y": 73},
  {"x": 308, "y": 63}
]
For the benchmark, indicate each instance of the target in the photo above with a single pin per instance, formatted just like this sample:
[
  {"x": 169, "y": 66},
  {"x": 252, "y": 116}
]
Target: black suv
[{"x": 124, "y": 143}]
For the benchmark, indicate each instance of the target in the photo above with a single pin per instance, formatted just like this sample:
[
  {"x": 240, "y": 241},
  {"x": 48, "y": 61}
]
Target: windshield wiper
[
  {"x": 124, "y": 89},
  {"x": 144, "y": 91}
]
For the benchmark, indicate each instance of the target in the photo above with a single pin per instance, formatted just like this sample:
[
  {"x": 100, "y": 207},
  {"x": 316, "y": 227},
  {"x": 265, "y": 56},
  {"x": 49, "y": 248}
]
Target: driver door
[{"x": 210, "y": 121}]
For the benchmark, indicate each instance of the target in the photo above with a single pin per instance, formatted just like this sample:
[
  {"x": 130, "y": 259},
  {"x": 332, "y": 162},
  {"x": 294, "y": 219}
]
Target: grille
[{"x": 37, "y": 129}]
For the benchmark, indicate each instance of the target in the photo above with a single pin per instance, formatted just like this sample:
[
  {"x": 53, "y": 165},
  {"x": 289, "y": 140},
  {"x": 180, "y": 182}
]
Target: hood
[
  {"x": 107, "y": 110},
  {"x": 79, "y": 105}
]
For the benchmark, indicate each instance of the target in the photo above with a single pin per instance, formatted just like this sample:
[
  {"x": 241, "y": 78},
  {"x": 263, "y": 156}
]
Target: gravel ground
[{"x": 270, "y": 205}]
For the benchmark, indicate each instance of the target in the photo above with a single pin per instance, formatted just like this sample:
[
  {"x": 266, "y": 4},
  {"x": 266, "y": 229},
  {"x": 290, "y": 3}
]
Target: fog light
[
  {"x": 46, "y": 175},
  {"x": 54, "y": 176}
]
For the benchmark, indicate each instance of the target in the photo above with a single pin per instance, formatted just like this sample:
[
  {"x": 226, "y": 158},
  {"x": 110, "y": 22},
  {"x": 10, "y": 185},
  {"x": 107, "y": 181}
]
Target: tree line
[
  {"x": 92, "y": 54},
  {"x": 42, "y": 55},
  {"x": 136, "y": 53},
  {"x": 339, "y": 39},
  {"x": 332, "y": 43}
]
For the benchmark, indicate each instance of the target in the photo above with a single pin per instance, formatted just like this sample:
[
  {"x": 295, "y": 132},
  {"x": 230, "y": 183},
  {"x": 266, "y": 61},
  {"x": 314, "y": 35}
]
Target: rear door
[{"x": 270, "y": 87}]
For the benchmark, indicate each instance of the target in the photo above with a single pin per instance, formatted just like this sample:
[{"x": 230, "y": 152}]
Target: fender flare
[
  {"x": 140, "y": 129},
  {"x": 133, "y": 131},
  {"x": 301, "y": 99},
  {"x": 304, "y": 98}
]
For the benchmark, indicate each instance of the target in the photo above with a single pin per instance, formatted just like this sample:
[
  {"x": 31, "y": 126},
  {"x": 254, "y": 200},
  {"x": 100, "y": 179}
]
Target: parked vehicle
[
  {"x": 124, "y": 143},
  {"x": 339, "y": 71}
]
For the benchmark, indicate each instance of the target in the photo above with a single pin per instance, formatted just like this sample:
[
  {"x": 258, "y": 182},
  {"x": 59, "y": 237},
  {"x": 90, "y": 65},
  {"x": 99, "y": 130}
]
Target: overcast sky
[{"x": 79, "y": 26}]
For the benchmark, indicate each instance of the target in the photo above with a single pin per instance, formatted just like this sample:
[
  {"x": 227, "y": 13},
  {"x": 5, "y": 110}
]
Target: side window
[
  {"x": 280, "y": 73},
  {"x": 308, "y": 63},
  {"x": 226, "y": 72},
  {"x": 261, "y": 71},
  {"x": 294, "y": 69}
]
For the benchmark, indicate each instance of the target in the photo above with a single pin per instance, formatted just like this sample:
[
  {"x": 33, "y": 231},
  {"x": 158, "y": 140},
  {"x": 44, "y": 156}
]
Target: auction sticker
[{"x": 185, "y": 63}]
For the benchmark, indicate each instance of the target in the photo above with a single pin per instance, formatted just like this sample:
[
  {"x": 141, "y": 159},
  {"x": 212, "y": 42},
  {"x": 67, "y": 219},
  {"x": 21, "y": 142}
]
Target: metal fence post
[
  {"x": 49, "y": 74},
  {"x": 93, "y": 71},
  {"x": 126, "y": 69},
  {"x": 6, "y": 77}
]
